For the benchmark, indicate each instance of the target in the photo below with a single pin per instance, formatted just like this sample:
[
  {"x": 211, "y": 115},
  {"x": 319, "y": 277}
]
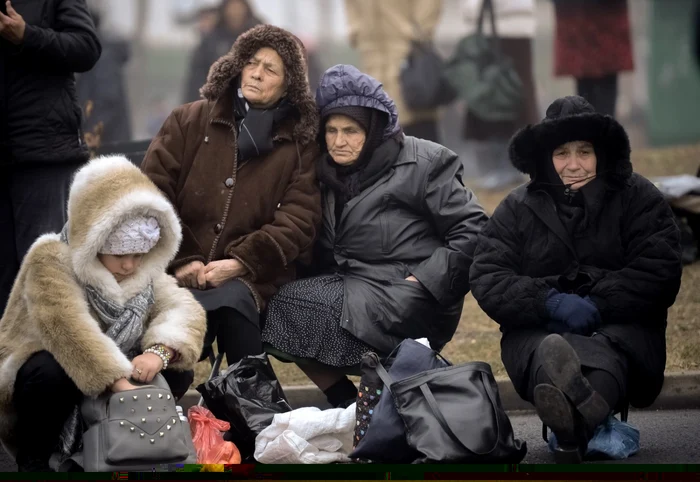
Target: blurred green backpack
[{"x": 483, "y": 76}]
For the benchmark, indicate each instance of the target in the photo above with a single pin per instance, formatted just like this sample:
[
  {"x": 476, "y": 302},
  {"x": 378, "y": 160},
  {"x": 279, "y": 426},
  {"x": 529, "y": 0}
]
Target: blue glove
[{"x": 579, "y": 315}]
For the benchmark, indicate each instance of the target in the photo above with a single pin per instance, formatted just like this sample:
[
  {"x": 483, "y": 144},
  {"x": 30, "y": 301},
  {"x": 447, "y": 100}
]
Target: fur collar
[
  {"x": 105, "y": 192},
  {"x": 291, "y": 49}
]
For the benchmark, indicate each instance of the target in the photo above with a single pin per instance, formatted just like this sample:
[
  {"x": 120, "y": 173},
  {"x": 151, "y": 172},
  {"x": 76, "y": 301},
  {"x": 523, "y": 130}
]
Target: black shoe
[
  {"x": 557, "y": 412},
  {"x": 563, "y": 367}
]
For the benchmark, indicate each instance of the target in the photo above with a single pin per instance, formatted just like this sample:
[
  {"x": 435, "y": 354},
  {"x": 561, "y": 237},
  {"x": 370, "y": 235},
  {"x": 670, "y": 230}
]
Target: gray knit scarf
[{"x": 124, "y": 324}]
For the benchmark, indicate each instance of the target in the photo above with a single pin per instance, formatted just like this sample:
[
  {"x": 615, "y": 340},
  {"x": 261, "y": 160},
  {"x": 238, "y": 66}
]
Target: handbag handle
[
  {"x": 384, "y": 375},
  {"x": 396, "y": 350},
  {"x": 386, "y": 378},
  {"x": 488, "y": 5},
  {"x": 420, "y": 36},
  {"x": 435, "y": 408}
]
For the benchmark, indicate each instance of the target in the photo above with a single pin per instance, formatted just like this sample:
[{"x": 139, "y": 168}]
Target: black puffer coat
[
  {"x": 40, "y": 120},
  {"x": 417, "y": 219},
  {"x": 626, "y": 258}
]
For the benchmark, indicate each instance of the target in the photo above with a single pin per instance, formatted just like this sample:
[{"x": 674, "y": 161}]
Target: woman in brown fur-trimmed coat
[
  {"x": 239, "y": 168},
  {"x": 93, "y": 307}
]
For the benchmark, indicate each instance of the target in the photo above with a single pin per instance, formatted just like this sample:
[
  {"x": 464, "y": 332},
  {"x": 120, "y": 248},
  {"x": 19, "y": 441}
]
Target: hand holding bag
[{"x": 134, "y": 430}]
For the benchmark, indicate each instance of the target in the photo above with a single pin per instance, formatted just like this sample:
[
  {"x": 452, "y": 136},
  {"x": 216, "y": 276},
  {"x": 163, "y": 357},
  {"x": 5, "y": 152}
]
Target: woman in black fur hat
[{"x": 579, "y": 267}]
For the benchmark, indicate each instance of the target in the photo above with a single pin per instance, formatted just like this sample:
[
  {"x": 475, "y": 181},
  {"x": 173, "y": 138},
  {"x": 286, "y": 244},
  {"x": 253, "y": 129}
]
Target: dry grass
[{"x": 477, "y": 337}]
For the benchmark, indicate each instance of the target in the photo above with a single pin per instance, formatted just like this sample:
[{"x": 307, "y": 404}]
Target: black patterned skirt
[{"x": 303, "y": 321}]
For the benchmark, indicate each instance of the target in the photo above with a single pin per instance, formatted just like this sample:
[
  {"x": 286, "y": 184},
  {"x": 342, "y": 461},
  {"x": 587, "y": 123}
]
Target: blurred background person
[
  {"x": 102, "y": 91},
  {"x": 313, "y": 60},
  {"x": 696, "y": 33},
  {"x": 383, "y": 32},
  {"x": 41, "y": 139},
  {"x": 157, "y": 113},
  {"x": 207, "y": 16},
  {"x": 593, "y": 44},
  {"x": 234, "y": 17},
  {"x": 515, "y": 28}
]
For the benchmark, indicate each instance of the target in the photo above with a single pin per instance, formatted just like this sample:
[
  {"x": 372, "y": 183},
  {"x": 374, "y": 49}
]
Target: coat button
[
  {"x": 337, "y": 249},
  {"x": 229, "y": 182},
  {"x": 218, "y": 228}
]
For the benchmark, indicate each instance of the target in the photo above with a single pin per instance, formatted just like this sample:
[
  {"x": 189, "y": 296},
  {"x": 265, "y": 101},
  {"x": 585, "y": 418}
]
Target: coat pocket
[{"x": 384, "y": 229}]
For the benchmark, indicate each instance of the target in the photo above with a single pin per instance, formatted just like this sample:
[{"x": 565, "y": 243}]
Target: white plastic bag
[
  {"x": 307, "y": 436},
  {"x": 673, "y": 187},
  {"x": 612, "y": 439}
]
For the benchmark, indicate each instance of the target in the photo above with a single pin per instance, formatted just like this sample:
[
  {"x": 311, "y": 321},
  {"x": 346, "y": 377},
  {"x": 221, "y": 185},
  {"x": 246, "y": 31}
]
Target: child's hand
[
  {"x": 122, "y": 385},
  {"x": 146, "y": 367}
]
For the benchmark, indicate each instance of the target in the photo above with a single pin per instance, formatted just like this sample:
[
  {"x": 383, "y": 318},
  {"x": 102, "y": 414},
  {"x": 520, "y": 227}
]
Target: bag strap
[
  {"x": 419, "y": 34},
  {"x": 439, "y": 355},
  {"x": 384, "y": 375},
  {"x": 487, "y": 5},
  {"x": 435, "y": 408}
]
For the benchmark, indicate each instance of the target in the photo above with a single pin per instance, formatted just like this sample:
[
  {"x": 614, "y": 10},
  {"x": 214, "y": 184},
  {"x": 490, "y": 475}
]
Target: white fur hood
[{"x": 104, "y": 193}]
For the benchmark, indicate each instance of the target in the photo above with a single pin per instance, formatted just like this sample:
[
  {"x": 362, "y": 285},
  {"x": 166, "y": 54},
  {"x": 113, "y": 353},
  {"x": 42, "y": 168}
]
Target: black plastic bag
[{"x": 247, "y": 395}]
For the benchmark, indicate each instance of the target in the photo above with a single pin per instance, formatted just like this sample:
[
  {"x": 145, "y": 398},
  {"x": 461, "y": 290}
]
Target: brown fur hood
[{"x": 291, "y": 49}]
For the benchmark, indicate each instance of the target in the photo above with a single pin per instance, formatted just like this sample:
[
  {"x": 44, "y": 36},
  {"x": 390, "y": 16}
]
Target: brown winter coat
[
  {"x": 383, "y": 31},
  {"x": 263, "y": 211},
  {"x": 48, "y": 309}
]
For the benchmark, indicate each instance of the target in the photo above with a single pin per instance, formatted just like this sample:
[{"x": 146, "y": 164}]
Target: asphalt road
[{"x": 667, "y": 437}]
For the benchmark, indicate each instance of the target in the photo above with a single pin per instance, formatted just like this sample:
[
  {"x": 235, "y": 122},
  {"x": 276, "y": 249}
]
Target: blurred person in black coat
[
  {"x": 42, "y": 44},
  {"x": 102, "y": 91}
]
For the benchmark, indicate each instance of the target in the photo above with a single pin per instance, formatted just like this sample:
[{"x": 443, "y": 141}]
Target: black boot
[
  {"x": 569, "y": 405},
  {"x": 557, "y": 413},
  {"x": 563, "y": 367}
]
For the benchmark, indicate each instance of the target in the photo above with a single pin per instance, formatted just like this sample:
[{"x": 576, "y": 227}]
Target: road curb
[{"x": 681, "y": 391}]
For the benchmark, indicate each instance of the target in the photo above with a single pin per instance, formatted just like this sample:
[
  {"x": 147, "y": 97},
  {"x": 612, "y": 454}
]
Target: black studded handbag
[{"x": 135, "y": 430}]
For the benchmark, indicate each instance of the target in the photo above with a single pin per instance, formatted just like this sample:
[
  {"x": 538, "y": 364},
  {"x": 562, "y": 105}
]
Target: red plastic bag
[{"x": 208, "y": 438}]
